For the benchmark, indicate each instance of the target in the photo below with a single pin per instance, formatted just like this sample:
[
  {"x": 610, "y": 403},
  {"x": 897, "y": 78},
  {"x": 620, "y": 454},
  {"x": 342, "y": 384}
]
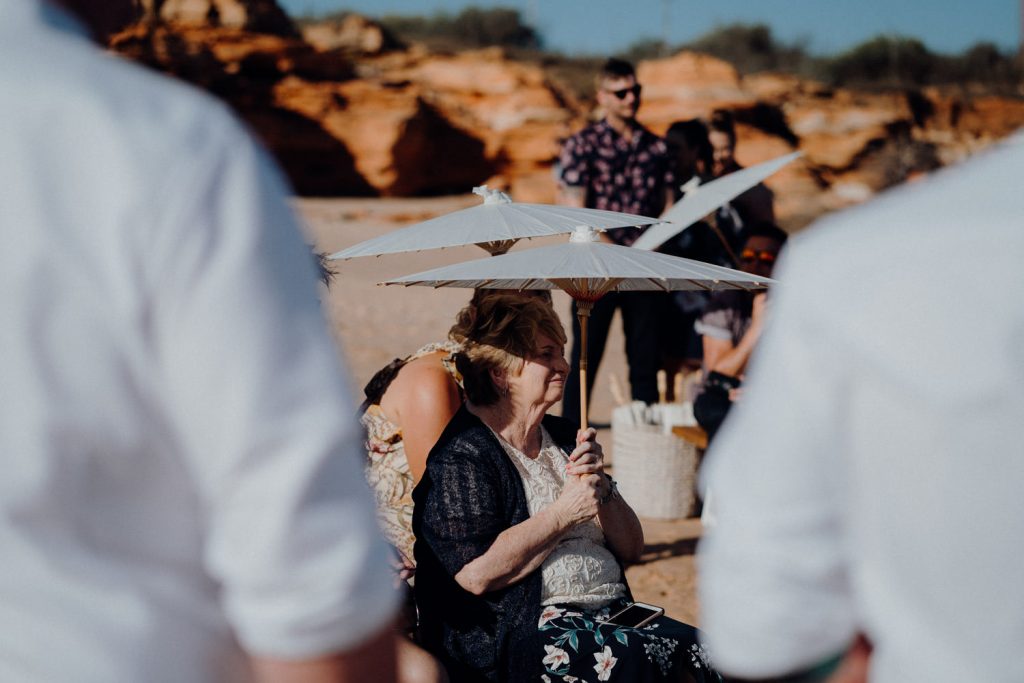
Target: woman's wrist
[
  {"x": 613, "y": 490},
  {"x": 564, "y": 516}
]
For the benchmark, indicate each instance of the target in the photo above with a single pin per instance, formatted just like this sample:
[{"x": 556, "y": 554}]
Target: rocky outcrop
[
  {"x": 334, "y": 135},
  {"x": 260, "y": 16},
  {"x": 354, "y": 34},
  {"x": 688, "y": 85},
  {"x": 350, "y": 111},
  {"x": 510, "y": 106},
  {"x": 401, "y": 144},
  {"x": 398, "y": 123}
]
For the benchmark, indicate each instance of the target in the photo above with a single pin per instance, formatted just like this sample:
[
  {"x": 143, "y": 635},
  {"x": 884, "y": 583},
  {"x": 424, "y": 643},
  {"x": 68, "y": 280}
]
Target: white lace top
[{"x": 580, "y": 570}]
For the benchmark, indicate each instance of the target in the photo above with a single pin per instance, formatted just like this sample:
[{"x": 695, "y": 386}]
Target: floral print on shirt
[{"x": 631, "y": 174}]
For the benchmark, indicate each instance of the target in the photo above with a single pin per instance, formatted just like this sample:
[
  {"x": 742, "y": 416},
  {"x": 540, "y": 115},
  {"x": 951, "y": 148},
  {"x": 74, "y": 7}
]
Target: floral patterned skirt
[{"x": 580, "y": 648}]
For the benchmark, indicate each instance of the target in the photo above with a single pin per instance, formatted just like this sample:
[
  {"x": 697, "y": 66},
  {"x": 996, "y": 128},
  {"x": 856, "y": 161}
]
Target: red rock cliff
[{"x": 349, "y": 110}]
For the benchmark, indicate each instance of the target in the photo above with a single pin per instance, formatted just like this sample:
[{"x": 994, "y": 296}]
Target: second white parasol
[
  {"x": 708, "y": 197},
  {"x": 586, "y": 269}
]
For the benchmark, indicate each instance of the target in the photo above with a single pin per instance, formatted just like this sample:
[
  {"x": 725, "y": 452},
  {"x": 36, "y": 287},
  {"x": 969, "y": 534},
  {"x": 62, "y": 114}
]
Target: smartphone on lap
[{"x": 635, "y": 615}]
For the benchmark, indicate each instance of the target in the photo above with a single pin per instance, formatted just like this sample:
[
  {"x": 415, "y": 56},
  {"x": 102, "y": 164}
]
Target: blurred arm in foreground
[{"x": 180, "y": 498}]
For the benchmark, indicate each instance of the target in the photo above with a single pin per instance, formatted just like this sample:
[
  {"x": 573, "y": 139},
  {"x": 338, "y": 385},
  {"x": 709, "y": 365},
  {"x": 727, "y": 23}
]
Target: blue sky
[{"x": 601, "y": 26}]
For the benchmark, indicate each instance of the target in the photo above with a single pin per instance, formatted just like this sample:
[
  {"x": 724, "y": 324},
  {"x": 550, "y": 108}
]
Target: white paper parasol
[
  {"x": 586, "y": 269},
  {"x": 706, "y": 198},
  {"x": 494, "y": 225}
]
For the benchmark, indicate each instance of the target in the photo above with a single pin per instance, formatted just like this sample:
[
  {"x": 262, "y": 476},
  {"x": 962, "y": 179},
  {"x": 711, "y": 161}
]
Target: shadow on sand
[{"x": 661, "y": 551}]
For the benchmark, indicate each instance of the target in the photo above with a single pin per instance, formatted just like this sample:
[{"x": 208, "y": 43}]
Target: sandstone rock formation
[
  {"x": 350, "y": 111},
  {"x": 262, "y": 16},
  {"x": 688, "y": 85},
  {"x": 334, "y": 135},
  {"x": 510, "y": 106},
  {"x": 400, "y": 142},
  {"x": 353, "y": 34}
]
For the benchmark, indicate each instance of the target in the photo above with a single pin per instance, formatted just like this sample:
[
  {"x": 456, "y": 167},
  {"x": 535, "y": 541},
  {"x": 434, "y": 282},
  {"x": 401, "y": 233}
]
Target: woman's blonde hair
[{"x": 499, "y": 332}]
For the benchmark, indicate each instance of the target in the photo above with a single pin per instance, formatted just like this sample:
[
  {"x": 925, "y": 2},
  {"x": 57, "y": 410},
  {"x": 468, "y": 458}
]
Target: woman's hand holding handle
[
  {"x": 588, "y": 456},
  {"x": 580, "y": 499}
]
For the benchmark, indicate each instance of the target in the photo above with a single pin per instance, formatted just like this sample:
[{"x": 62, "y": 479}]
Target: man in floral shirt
[{"x": 617, "y": 165}]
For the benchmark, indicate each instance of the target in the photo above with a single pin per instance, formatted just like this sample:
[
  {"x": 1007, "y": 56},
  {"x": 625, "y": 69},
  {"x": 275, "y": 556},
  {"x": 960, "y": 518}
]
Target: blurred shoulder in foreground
[{"x": 869, "y": 481}]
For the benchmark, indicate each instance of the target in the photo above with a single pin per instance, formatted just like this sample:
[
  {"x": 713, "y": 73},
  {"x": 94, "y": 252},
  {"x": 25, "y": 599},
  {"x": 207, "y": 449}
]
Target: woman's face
[
  {"x": 722, "y": 153},
  {"x": 543, "y": 375}
]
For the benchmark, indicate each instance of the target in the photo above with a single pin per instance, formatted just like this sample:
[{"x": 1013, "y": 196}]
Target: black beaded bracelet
[{"x": 613, "y": 490}]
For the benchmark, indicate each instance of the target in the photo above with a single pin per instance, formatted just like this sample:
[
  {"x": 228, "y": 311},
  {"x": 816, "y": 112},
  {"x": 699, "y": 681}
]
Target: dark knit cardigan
[{"x": 470, "y": 493}]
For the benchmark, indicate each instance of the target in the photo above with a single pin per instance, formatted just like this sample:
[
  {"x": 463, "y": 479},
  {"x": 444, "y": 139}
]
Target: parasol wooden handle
[
  {"x": 583, "y": 315},
  {"x": 583, "y": 370}
]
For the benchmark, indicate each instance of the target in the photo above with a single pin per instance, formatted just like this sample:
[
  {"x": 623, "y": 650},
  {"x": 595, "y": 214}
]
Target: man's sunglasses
[
  {"x": 765, "y": 257},
  {"x": 621, "y": 94}
]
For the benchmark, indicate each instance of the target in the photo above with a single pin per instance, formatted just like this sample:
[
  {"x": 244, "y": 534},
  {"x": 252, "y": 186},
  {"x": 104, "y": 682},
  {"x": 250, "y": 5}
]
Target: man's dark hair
[
  {"x": 723, "y": 122},
  {"x": 768, "y": 230},
  {"x": 616, "y": 68}
]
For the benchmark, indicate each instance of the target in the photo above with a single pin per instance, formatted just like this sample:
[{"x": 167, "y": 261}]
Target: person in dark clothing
[
  {"x": 756, "y": 205},
  {"x": 690, "y": 148},
  {"x": 731, "y": 326},
  {"x": 680, "y": 344},
  {"x": 520, "y": 534},
  {"x": 618, "y": 165}
]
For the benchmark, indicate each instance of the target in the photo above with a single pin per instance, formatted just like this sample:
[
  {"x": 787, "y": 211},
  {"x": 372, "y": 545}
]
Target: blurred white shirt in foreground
[
  {"x": 180, "y": 473},
  {"x": 871, "y": 478}
]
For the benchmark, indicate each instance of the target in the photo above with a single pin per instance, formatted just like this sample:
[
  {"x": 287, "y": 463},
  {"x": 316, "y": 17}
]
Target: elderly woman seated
[{"x": 520, "y": 534}]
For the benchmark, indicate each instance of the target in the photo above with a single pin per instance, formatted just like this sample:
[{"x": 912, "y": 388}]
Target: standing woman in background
[
  {"x": 753, "y": 206},
  {"x": 680, "y": 344}
]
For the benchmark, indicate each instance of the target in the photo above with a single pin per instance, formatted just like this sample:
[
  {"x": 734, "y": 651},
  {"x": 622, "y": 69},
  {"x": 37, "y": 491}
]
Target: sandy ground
[{"x": 376, "y": 324}]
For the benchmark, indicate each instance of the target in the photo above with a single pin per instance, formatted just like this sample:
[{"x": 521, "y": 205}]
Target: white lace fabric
[{"x": 581, "y": 570}]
